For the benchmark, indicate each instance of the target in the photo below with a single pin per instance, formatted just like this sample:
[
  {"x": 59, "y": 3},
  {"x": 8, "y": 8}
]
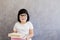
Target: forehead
[{"x": 23, "y": 14}]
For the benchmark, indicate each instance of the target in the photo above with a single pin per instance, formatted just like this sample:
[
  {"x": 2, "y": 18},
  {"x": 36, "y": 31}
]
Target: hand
[{"x": 28, "y": 38}]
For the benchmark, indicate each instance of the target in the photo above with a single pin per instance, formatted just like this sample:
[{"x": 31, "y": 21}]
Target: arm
[
  {"x": 14, "y": 30},
  {"x": 10, "y": 34},
  {"x": 31, "y": 34}
]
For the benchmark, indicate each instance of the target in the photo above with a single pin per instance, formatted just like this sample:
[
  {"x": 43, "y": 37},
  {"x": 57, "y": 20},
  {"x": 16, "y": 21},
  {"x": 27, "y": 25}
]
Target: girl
[{"x": 24, "y": 26}]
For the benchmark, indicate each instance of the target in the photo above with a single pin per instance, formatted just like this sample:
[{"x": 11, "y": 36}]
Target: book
[{"x": 14, "y": 35}]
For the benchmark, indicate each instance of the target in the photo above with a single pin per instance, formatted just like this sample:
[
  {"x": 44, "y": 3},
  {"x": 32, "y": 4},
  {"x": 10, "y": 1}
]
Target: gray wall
[{"x": 44, "y": 14}]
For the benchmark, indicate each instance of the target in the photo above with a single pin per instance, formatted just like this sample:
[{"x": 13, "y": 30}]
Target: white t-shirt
[{"x": 23, "y": 29}]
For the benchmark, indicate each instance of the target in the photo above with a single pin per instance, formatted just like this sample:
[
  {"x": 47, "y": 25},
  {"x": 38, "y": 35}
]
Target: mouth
[{"x": 23, "y": 19}]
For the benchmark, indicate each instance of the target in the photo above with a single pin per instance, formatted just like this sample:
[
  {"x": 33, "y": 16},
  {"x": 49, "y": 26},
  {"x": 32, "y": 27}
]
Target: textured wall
[{"x": 44, "y": 15}]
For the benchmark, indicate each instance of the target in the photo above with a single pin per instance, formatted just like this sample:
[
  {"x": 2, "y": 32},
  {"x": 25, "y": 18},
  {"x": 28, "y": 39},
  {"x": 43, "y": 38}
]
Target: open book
[{"x": 14, "y": 35}]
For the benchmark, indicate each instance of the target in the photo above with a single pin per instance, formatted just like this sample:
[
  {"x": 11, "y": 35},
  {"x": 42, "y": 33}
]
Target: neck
[{"x": 23, "y": 22}]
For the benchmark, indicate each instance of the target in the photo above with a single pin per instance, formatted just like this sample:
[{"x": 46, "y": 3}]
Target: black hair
[{"x": 22, "y": 11}]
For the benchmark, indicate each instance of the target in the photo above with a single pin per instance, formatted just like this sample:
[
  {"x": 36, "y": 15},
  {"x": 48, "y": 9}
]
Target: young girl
[{"x": 24, "y": 26}]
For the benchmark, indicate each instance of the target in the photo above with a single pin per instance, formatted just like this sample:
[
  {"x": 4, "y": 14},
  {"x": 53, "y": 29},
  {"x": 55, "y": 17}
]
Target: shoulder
[
  {"x": 29, "y": 22},
  {"x": 30, "y": 25},
  {"x": 16, "y": 23}
]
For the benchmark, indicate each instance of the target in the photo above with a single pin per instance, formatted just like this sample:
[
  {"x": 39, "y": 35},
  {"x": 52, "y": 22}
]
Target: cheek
[
  {"x": 26, "y": 18},
  {"x": 23, "y": 18}
]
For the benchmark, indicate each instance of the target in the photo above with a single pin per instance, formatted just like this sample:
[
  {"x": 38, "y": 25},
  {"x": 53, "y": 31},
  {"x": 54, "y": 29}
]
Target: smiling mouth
[{"x": 23, "y": 19}]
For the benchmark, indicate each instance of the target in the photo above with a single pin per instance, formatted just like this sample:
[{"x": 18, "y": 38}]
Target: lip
[{"x": 23, "y": 19}]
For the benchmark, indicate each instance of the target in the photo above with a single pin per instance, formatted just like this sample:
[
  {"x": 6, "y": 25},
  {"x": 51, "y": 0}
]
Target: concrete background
[{"x": 44, "y": 14}]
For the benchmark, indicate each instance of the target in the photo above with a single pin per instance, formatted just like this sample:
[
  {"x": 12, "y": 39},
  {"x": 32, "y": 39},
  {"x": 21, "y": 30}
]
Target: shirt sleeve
[
  {"x": 31, "y": 26},
  {"x": 14, "y": 28}
]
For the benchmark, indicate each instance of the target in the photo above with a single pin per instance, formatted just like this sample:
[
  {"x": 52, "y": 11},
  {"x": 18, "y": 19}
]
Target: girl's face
[{"x": 23, "y": 17}]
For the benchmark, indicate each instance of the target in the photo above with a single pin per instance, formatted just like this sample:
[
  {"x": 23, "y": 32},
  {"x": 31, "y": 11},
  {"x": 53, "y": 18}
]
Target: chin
[{"x": 23, "y": 21}]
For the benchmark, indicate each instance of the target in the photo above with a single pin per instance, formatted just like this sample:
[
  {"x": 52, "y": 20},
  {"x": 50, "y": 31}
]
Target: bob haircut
[{"x": 23, "y": 11}]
